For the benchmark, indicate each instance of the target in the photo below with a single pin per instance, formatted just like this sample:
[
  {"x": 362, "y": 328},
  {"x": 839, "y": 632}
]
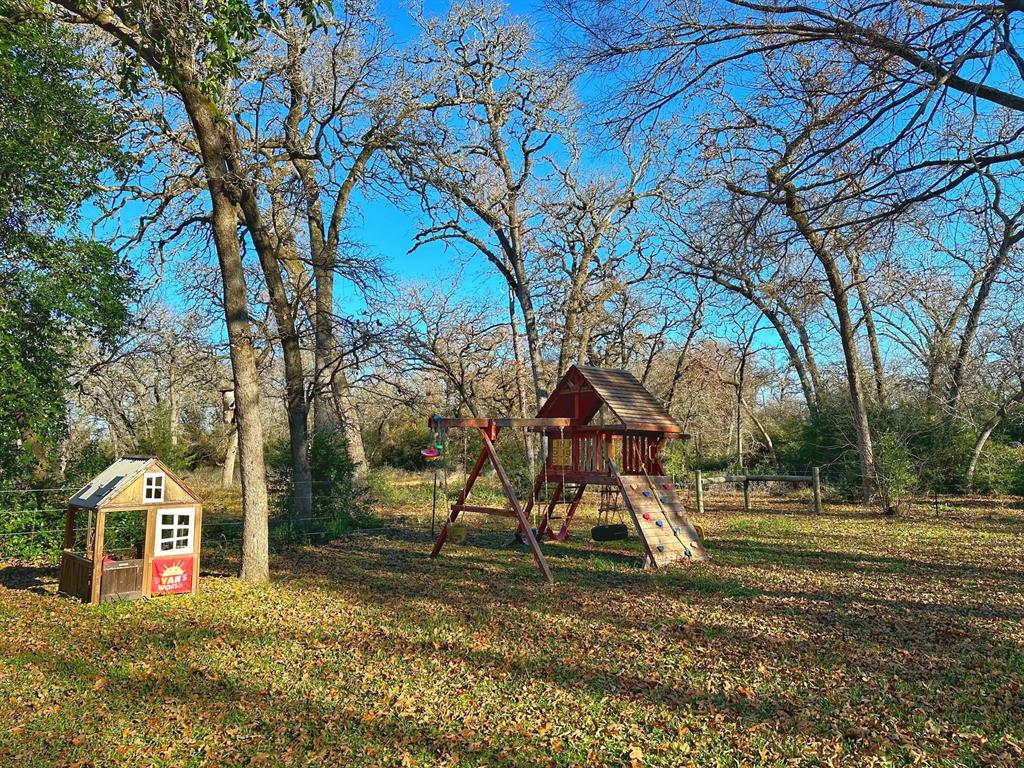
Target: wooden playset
[
  {"x": 166, "y": 561},
  {"x": 600, "y": 427}
]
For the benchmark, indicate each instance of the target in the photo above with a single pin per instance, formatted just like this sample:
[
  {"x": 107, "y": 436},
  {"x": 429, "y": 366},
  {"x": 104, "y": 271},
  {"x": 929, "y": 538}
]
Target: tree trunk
[
  {"x": 986, "y": 433},
  {"x": 216, "y": 148},
  {"x": 761, "y": 428},
  {"x": 172, "y": 399},
  {"x": 877, "y": 367},
  {"x": 531, "y": 456},
  {"x": 806, "y": 369},
  {"x": 271, "y": 259},
  {"x": 532, "y": 344},
  {"x": 213, "y": 132},
  {"x": 740, "y": 376},
  {"x": 573, "y": 332},
  {"x": 974, "y": 316},
  {"x": 352, "y": 425},
  {"x": 840, "y": 299},
  {"x": 332, "y": 400},
  {"x": 227, "y": 401}
]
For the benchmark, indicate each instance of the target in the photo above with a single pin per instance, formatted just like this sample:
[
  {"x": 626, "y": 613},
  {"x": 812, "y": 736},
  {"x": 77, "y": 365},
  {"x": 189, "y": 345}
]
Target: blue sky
[
  {"x": 390, "y": 231},
  {"x": 386, "y": 230}
]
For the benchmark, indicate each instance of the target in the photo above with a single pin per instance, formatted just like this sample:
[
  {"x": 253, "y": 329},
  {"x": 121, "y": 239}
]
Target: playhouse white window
[
  {"x": 153, "y": 486},
  {"x": 174, "y": 528}
]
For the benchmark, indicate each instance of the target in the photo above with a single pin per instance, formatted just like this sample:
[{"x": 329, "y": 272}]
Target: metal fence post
[{"x": 816, "y": 480}]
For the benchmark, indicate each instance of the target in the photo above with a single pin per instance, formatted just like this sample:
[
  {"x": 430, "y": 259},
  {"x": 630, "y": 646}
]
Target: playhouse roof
[
  {"x": 583, "y": 390},
  {"x": 115, "y": 480}
]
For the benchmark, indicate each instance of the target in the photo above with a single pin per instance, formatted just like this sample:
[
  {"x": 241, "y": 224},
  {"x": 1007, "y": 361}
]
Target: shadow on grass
[
  {"x": 501, "y": 579},
  {"x": 745, "y": 552},
  {"x": 671, "y": 645},
  {"x": 41, "y": 579}
]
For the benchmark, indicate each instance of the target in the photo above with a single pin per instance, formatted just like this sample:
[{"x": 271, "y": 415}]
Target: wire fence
[{"x": 32, "y": 525}]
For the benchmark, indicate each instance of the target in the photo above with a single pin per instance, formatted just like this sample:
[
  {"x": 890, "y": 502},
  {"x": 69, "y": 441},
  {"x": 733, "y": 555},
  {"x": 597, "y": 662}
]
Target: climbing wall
[{"x": 661, "y": 520}]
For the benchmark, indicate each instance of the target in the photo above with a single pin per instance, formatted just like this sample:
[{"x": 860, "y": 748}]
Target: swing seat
[
  {"x": 610, "y": 532},
  {"x": 431, "y": 453}
]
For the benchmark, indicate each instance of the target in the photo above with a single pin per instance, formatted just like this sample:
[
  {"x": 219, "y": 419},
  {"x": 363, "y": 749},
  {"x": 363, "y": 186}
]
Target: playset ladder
[{"x": 660, "y": 519}]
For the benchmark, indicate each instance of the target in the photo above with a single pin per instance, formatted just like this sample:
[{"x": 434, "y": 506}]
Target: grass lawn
[{"x": 843, "y": 639}]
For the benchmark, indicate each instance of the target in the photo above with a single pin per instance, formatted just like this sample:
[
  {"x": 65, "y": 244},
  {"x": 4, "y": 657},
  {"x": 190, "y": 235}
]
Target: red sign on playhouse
[{"x": 172, "y": 575}]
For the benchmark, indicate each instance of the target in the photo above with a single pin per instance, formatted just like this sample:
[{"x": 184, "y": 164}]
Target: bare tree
[
  {"x": 460, "y": 342},
  {"x": 176, "y": 43},
  {"x": 481, "y": 158},
  {"x": 593, "y": 239},
  {"x": 340, "y": 104}
]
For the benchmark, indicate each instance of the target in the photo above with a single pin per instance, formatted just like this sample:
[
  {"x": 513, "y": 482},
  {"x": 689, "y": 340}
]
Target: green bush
[
  {"x": 896, "y": 475},
  {"x": 155, "y": 440},
  {"x": 337, "y": 505},
  {"x": 1000, "y": 469},
  {"x": 401, "y": 449}
]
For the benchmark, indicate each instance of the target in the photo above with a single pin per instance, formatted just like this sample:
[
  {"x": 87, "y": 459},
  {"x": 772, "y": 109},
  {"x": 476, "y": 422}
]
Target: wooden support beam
[
  {"x": 148, "y": 545},
  {"x": 69, "y": 528},
  {"x": 97, "y": 555},
  {"x": 514, "y": 423},
  {"x": 510, "y": 492},
  {"x": 497, "y": 511},
  {"x": 563, "y": 532},
  {"x": 197, "y": 545}
]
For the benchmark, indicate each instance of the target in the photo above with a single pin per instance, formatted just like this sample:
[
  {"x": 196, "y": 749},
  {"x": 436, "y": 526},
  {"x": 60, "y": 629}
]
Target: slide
[{"x": 661, "y": 520}]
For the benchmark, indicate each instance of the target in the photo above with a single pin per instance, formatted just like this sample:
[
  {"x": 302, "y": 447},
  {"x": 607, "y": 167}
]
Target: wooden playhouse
[
  {"x": 164, "y": 560},
  {"x": 601, "y": 427}
]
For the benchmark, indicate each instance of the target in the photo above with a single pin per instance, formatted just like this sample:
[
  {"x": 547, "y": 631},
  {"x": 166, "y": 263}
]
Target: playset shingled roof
[{"x": 583, "y": 390}]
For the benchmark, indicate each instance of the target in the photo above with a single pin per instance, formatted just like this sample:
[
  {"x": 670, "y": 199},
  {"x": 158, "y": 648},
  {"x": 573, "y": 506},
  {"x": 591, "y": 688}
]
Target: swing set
[{"x": 600, "y": 427}]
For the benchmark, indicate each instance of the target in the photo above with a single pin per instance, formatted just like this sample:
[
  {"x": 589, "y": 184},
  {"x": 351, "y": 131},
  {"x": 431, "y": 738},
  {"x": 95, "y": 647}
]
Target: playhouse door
[{"x": 122, "y": 580}]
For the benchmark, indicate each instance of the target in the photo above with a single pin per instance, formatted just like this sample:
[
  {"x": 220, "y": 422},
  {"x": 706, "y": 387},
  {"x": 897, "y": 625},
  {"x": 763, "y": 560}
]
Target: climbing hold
[
  {"x": 667, "y": 486},
  {"x": 661, "y": 547},
  {"x": 647, "y": 493},
  {"x": 647, "y": 515},
  {"x": 665, "y": 500},
  {"x": 689, "y": 554},
  {"x": 677, "y": 529},
  {"x": 660, "y": 523}
]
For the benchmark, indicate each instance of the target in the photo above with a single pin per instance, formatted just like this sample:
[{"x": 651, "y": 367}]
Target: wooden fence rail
[{"x": 745, "y": 480}]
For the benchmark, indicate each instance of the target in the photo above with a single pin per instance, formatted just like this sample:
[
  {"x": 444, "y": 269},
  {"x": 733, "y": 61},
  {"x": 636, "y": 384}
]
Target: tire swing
[{"x": 606, "y": 530}]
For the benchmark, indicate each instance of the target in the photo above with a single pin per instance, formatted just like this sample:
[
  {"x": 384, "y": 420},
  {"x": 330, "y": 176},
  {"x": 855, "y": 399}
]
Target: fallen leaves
[{"x": 808, "y": 641}]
